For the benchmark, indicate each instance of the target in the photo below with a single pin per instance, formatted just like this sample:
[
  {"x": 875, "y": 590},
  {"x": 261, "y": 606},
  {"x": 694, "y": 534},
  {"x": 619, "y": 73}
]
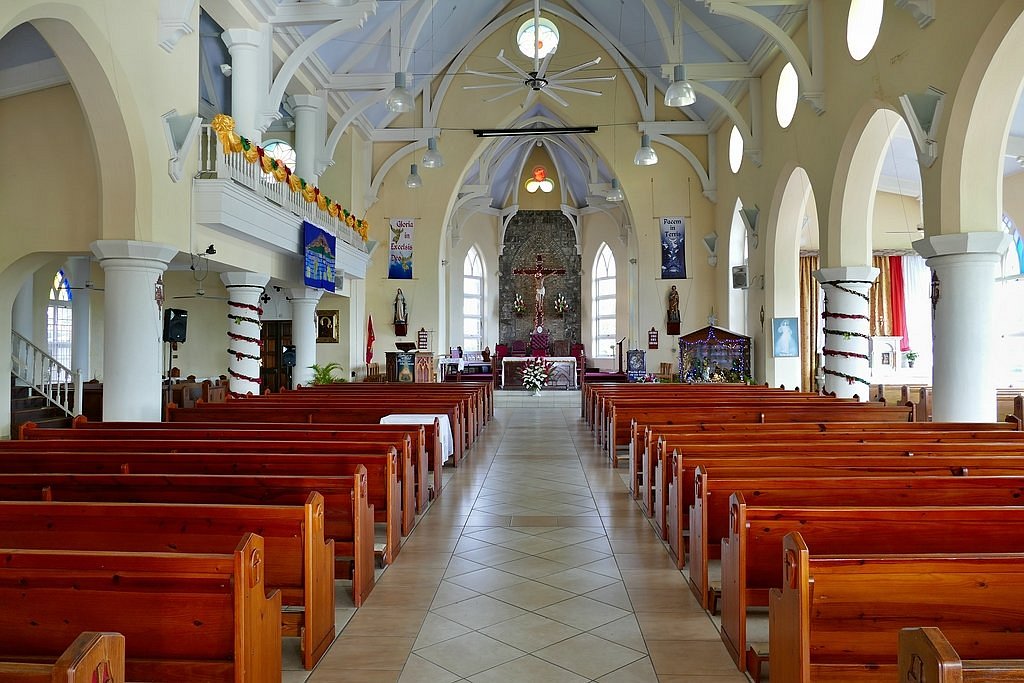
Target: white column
[
  {"x": 357, "y": 329},
  {"x": 79, "y": 270},
  {"x": 243, "y": 328},
  {"x": 847, "y": 329},
  {"x": 308, "y": 134},
  {"x": 964, "y": 271},
  {"x": 304, "y": 301},
  {"x": 23, "y": 313},
  {"x": 245, "y": 46},
  {"x": 132, "y": 328}
]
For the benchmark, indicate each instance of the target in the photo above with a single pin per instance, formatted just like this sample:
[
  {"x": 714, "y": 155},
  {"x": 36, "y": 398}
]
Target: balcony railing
[{"x": 213, "y": 163}]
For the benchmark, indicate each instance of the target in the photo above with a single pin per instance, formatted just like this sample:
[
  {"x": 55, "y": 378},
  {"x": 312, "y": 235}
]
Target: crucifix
[{"x": 539, "y": 273}]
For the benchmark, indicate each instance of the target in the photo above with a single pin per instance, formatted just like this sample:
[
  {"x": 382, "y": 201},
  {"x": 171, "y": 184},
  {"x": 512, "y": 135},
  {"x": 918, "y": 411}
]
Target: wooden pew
[
  {"x": 845, "y": 628},
  {"x": 184, "y": 617},
  {"x": 237, "y": 411},
  {"x": 254, "y": 457},
  {"x": 647, "y": 439},
  {"x": 750, "y": 554},
  {"x": 90, "y": 658},
  {"x": 674, "y": 480},
  {"x": 426, "y": 441},
  {"x": 923, "y": 435},
  {"x": 710, "y": 513},
  {"x": 756, "y": 410},
  {"x": 254, "y": 478},
  {"x": 926, "y": 656},
  {"x": 366, "y": 449},
  {"x": 299, "y": 561}
]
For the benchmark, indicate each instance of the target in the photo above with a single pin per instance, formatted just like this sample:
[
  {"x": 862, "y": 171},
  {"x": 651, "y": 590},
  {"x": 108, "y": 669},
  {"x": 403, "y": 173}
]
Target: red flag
[{"x": 369, "y": 339}]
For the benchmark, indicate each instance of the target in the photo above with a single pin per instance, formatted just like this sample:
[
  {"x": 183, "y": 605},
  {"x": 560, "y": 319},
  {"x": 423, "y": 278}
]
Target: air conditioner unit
[{"x": 740, "y": 277}]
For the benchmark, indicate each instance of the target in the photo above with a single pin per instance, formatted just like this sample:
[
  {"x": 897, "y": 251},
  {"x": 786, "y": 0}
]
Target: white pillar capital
[
  {"x": 964, "y": 271},
  {"x": 245, "y": 279},
  {"x": 962, "y": 244},
  {"x": 242, "y": 39},
  {"x": 132, "y": 327},
  {"x": 852, "y": 275},
  {"x": 303, "y": 294},
  {"x": 301, "y": 103},
  {"x": 304, "y": 301}
]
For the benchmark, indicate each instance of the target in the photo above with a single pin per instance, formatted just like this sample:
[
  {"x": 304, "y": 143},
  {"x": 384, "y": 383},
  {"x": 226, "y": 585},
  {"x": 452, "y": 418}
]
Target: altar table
[{"x": 563, "y": 373}]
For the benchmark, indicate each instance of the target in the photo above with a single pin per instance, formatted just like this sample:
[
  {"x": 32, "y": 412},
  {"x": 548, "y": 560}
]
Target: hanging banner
[
  {"x": 319, "y": 251},
  {"x": 400, "y": 262},
  {"x": 673, "y": 248}
]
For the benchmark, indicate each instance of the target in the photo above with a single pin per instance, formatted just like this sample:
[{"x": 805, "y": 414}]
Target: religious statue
[
  {"x": 673, "y": 305},
  {"x": 673, "y": 311},
  {"x": 401, "y": 315},
  {"x": 539, "y": 274}
]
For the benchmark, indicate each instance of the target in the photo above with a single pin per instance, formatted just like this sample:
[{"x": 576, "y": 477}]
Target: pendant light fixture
[
  {"x": 432, "y": 158},
  {"x": 413, "y": 180},
  {"x": 680, "y": 93},
  {"x": 645, "y": 156},
  {"x": 400, "y": 99},
  {"x": 615, "y": 195}
]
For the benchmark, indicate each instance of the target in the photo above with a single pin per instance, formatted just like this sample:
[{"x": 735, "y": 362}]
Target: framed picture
[
  {"x": 785, "y": 340},
  {"x": 327, "y": 327}
]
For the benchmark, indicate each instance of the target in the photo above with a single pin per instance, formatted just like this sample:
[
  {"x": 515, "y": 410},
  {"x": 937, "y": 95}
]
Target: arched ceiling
[{"x": 427, "y": 38}]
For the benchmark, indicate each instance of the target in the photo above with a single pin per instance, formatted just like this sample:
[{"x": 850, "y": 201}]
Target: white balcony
[{"x": 231, "y": 195}]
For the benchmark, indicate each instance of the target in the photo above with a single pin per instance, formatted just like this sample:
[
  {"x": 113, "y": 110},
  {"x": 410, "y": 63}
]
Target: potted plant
[
  {"x": 536, "y": 373},
  {"x": 324, "y": 374},
  {"x": 911, "y": 356}
]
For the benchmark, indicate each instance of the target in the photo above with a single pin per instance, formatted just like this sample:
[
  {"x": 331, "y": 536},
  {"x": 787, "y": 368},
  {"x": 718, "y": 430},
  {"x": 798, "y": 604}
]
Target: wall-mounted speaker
[
  {"x": 175, "y": 324},
  {"x": 288, "y": 356}
]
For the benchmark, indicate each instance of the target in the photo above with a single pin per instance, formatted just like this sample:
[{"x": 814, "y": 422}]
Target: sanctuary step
[{"x": 30, "y": 406}]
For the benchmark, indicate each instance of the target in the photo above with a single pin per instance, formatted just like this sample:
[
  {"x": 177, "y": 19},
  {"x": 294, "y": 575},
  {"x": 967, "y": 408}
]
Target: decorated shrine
[{"x": 713, "y": 355}]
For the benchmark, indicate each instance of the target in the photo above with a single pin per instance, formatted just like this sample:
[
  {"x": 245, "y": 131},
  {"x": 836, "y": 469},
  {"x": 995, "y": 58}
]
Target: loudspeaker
[
  {"x": 288, "y": 356},
  {"x": 175, "y": 323}
]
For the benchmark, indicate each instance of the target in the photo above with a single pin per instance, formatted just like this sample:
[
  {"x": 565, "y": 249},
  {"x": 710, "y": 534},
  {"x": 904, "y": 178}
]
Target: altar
[{"x": 563, "y": 373}]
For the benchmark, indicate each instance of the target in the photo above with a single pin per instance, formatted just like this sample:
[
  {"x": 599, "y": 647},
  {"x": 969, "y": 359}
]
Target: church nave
[{"x": 535, "y": 565}]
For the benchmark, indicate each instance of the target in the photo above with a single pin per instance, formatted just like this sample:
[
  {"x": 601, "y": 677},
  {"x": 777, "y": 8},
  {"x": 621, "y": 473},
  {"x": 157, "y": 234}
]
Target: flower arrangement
[
  {"x": 648, "y": 379},
  {"x": 561, "y": 305},
  {"x": 536, "y": 373},
  {"x": 518, "y": 305}
]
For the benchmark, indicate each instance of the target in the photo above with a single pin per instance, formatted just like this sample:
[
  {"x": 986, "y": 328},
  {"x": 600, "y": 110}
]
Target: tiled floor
[{"x": 534, "y": 565}]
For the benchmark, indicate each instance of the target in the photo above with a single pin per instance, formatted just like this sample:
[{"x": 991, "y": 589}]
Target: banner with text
[
  {"x": 673, "y": 248},
  {"x": 400, "y": 260},
  {"x": 320, "y": 257}
]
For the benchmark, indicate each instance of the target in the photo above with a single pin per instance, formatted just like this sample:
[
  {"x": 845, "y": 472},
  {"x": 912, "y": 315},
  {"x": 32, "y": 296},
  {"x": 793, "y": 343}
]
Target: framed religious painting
[
  {"x": 327, "y": 327},
  {"x": 785, "y": 342}
]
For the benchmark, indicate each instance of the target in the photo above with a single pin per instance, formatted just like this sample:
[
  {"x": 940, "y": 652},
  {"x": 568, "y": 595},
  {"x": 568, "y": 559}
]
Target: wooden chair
[{"x": 518, "y": 348}]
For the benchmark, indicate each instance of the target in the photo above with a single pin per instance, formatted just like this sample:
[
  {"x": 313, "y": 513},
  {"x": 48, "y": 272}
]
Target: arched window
[
  {"x": 281, "y": 151},
  {"x": 58, "y": 320},
  {"x": 604, "y": 303},
  {"x": 472, "y": 302}
]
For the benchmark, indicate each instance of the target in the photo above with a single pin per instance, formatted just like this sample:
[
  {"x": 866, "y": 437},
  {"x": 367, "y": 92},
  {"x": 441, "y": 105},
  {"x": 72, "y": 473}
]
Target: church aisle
[{"x": 534, "y": 565}]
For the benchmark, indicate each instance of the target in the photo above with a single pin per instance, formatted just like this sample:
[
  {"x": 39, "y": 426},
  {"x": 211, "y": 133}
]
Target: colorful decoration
[
  {"x": 697, "y": 364},
  {"x": 233, "y": 143},
  {"x": 849, "y": 378}
]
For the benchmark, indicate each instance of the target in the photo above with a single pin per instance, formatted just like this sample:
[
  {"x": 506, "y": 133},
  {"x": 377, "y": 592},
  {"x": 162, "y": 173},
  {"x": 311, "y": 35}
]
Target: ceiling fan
[
  {"x": 88, "y": 286},
  {"x": 200, "y": 268},
  {"x": 538, "y": 82}
]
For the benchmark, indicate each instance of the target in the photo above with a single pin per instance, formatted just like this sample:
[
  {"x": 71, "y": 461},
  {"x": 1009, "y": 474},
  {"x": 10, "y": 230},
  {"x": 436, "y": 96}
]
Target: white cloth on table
[{"x": 444, "y": 427}]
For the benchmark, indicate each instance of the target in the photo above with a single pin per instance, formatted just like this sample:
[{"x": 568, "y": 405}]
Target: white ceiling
[{"x": 426, "y": 37}]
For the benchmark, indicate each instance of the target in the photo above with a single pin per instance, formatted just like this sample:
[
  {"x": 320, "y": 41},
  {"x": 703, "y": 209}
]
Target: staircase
[
  {"x": 42, "y": 390},
  {"x": 27, "y": 405}
]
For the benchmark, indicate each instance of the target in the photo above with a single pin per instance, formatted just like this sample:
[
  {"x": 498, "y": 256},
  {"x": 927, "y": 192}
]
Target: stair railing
[{"x": 60, "y": 386}]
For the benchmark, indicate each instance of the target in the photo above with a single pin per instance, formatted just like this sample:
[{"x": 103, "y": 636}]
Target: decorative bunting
[{"x": 232, "y": 142}]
